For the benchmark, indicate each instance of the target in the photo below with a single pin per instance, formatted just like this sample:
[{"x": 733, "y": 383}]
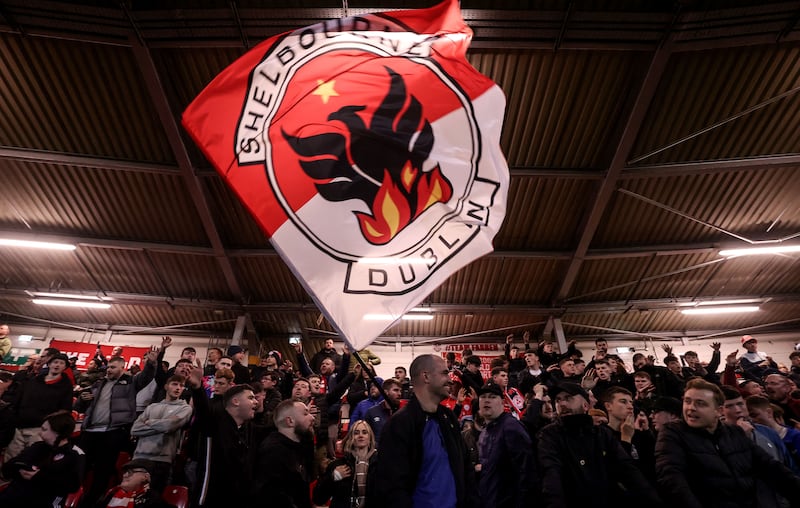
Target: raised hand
[
  {"x": 510, "y": 338},
  {"x": 716, "y": 345},
  {"x": 165, "y": 342},
  {"x": 526, "y": 336},
  {"x": 667, "y": 348}
]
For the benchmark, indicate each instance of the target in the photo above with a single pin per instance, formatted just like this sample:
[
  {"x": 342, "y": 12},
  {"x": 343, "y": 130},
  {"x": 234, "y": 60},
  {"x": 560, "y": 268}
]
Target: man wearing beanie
[
  {"x": 582, "y": 463},
  {"x": 40, "y": 396},
  {"x": 239, "y": 368}
]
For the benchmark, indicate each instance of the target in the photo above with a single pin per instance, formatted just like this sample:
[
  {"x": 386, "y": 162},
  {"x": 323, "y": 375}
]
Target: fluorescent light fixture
[
  {"x": 10, "y": 242},
  {"x": 405, "y": 317},
  {"x": 395, "y": 261},
  {"x": 25, "y": 338},
  {"x": 91, "y": 298},
  {"x": 756, "y": 251},
  {"x": 71, "y": 303},
  {"x": 422, "y": 309},
  {"x": 720, "y": 310}
]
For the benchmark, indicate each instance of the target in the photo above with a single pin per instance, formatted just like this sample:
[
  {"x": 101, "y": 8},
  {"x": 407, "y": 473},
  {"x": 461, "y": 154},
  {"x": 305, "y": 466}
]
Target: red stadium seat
[{"x": 176, "y": 495}]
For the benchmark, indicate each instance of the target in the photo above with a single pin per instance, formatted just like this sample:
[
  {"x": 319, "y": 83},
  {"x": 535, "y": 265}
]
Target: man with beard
[
  {"x": 784, "y": 393},
  {"x": 233, "y": 442},
  {"x": 582, "y": 464},
  {"x": 423, "y": 460},
  {"x": 286, "y": 459}
]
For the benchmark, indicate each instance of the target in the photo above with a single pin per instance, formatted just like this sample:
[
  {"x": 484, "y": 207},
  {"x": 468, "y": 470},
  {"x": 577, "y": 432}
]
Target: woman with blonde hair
[{"x": 344, "y": 482}]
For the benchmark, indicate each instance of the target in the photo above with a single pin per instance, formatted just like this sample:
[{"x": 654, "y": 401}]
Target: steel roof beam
[
  {"x": 608, "y": 185},
  {"x": 193, "y": 184}
]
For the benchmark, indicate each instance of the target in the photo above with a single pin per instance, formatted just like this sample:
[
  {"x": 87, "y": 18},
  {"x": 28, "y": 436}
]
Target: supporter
[
  {"x": 359, "y": 388},
  {"x": 285, "y": 463},
  {"x": 508, "y": 475},
  {"x": 513, "y": 400},
  {"x": 794, "y": 370},
  {"x": 110, "y": 408},
  {"x": 580, "y": 365},
  {"x": 701, "y": 463},
  {"x": 548, "y": 355},
  {"x": 562, "y": 371},
  {"x": 601, "y": 351},
  {"x": 582, "y": 464},
  {"x": 755, "y": 364},
  {"x": 633, "y": 433},
  {"x": 762, "y": 412},
  {"x": 233, "y": 443},
  {"x": 423, "y": 460},
  {"x": 532, "y": 374},
  {"x": 38, "y": 397},
  {"x": 665, "y": 410},
  {"x": 158, "y": 430},
  {"x": 344, "y": 482},
  {"x": 272, "y": 397},
  {"x": 377, "y": 416},
  {"x": 785, "y": 394},
  {"x": 401, "y": 375},
  {"x": 471, "y": 431},
  {"x": 44, "y": 473},
  {"x": 5, "y": 340},
  {"x": 695, "y": 369},
  {"x": 734, "y": 412},
  {"x": 516, "y": 362},
  {"x": 212, "y": 357},
  {"x": 239, "y": 367},
  {"x": 327, "y": 351},
  {"x": 92, "y": 374},
  {"x": 135, "y": 490},
  {"x": 666, "y": 384},
  {"x": 223, "y": 381},
  {"x": 645, "y": 391},
  {"x": 6, "y": 408},
  {"x": 258, "y": 371},
  {"x": 471, "y": 375}
]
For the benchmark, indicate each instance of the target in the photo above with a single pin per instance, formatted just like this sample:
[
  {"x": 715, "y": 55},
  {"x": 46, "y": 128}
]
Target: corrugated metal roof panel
[
  {"x": 755, "y": 203},
  {"x": 99, "y": 203},
  {"x": 733, "y": 80},
  {"x": 123, "y": 271},
  {"x": 561, "y": 104},
  {"x": 268, "y": 279},
  {"x": 236, "y": 226},
  {"x": 43, "y": 270},
  {"x": 543, "y": 213},
  {"x": 86, "y": 98}
]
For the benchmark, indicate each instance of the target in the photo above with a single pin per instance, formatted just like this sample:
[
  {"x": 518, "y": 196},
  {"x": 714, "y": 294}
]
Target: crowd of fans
[{"x": 547, "y": 428}]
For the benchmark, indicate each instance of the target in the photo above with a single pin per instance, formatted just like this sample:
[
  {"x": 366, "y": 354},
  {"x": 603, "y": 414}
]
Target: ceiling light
[
  {"x": 406, "y": 317},
  {"x": 10, "y": 242},
  {"x": 755, "y": 251},
  {"x": 71, "y": 296},
  {"x": 25, "y": 338},
  {"x": 720, "y": 310},
  {"x": 71, "y": 303},
  {"x": 396, "y": 261}
]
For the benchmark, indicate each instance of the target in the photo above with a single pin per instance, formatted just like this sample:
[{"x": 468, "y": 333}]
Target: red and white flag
[{"x": 367, "y": 148}]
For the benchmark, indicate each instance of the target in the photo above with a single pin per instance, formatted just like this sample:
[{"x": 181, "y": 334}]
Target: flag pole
[{"x": 371, "y": 374}]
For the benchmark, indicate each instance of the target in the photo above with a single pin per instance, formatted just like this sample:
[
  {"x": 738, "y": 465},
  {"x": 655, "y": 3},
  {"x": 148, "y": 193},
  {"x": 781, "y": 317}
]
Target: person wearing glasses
[{"x": 133, "y": 490}]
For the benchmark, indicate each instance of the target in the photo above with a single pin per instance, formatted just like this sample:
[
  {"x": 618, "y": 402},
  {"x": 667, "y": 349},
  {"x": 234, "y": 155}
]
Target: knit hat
[
  {"x": 232, "y": 350},
  {"x": 490, "y": 389},
  {"x": 570, "y": 388}
]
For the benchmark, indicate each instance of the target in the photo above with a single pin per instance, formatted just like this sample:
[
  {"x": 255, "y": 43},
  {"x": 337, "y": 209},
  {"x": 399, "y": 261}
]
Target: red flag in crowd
[{"x": 367, "y": 148}]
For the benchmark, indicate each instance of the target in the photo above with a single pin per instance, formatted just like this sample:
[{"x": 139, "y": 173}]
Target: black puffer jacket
[
  {"x": 123, "y": 398},
  {"x": 699, "y": 469},
  {"x": 582, "y": 464}
]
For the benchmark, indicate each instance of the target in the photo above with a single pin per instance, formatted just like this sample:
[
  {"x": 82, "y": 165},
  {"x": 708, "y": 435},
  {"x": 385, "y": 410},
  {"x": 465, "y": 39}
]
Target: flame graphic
[{"x": 380, "y": 164}]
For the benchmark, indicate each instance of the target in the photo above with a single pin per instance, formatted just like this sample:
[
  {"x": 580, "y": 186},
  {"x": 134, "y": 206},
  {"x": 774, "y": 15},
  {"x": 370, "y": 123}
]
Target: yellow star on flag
[{"x": 325, "y": 90}]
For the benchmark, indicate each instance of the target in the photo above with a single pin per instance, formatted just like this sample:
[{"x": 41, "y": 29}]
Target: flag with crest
[{"x": 368, "y": 149}]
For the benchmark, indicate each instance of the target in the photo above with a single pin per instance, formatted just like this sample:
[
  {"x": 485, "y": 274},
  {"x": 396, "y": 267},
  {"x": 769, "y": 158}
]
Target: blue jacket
[{"x": 508, "y": 473}]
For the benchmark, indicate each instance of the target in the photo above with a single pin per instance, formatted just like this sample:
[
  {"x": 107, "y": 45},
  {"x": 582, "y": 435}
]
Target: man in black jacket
[
  {"x": 285, "y": 464},
  {"x": 233, "y": 442},
  {"x": 582, "y": 463},
  {"x": 702, "y": 463},
  {"x": 39, "y": 396},
  {"x": 47, "y": 471},
  {"x": 422, "y": 458}
]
